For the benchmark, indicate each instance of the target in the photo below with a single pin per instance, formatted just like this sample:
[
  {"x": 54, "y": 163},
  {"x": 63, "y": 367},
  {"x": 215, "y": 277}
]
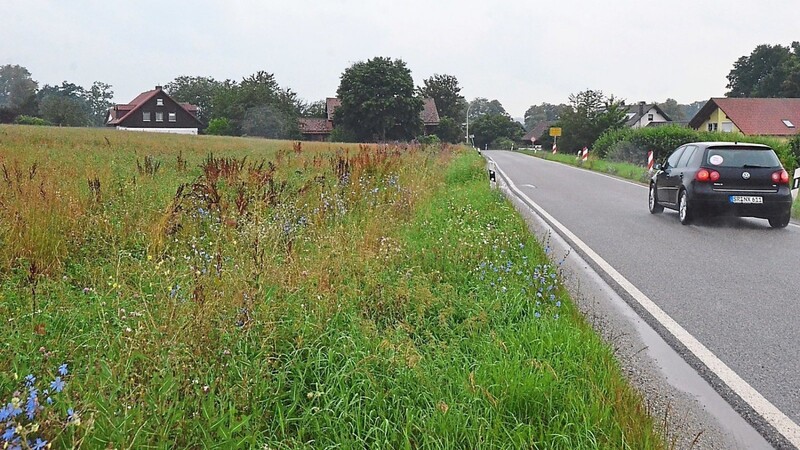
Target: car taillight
[
  {"x": 780, "y": 177},
  {"x": 704, "y": 175}
]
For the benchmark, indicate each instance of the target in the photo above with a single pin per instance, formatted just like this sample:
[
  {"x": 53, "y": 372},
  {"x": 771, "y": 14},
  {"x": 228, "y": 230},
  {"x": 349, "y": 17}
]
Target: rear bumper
[{"x": 719, "y": 203}]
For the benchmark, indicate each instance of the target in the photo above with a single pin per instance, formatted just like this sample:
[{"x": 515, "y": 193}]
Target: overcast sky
[{"x": 520, "y": 52}]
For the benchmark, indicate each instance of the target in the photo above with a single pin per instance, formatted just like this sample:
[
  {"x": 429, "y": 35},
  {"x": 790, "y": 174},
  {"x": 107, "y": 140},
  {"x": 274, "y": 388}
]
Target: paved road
[{"x": 732, "y": 283}]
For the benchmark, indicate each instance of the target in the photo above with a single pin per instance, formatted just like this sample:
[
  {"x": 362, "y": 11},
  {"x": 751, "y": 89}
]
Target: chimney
[
  {"x": 641, "y": 109},
  {"x": 158, "y": 88}
]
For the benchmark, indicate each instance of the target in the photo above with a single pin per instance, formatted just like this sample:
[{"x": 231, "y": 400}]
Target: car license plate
[{"x": 746, "y": 199}]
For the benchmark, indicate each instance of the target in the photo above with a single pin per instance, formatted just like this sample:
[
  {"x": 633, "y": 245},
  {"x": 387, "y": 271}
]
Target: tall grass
[{"x": 284, "y": 295}]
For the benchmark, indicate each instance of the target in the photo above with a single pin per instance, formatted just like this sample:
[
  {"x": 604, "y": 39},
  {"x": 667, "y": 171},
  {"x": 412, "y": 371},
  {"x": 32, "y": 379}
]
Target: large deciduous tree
[
  {"x": 444, "y": 89},
  {"x": 99, "y": 98},
  {"x": 482, "y": 106},
  {"x": 65, "y": 105},
  {"x": 769, "y": 71},
  {"x": 379, "y": 101},
  {"x": 491, "y": 129},
  {"x": 198, "y": 91},
  {"x": 590, "y": 113},
  {"x": 242, "y": 103},
  {"x": 17, "y": 89},
  {"x": 540, "y": 113}
]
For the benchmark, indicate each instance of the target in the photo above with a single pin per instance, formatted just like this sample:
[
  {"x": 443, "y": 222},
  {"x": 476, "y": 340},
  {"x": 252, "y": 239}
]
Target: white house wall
[
  {"x": 643, "y": 122},
  {"x": 162, "y": 130}
]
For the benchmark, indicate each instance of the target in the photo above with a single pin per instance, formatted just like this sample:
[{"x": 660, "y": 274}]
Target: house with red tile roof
[
  {"x": 319, "y": 129},
  {"x": 531, "y": 138},
  {"x": 155, "y": 111},
  {"x": 778, "y": 117}
]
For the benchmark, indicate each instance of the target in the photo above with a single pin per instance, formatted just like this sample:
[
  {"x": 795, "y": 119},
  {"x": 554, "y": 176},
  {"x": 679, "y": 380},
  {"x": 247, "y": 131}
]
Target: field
[{"x": 187, "y": 292}]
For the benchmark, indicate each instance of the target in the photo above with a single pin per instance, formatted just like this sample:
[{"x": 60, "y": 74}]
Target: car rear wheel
[
  {"x": 684, "y": 208},
  {"x": 653, "y": 204},
  {"x": 780, "y": 221}
]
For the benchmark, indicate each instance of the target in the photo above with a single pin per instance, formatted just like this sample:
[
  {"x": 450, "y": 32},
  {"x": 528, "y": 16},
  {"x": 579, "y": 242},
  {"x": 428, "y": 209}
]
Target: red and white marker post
[
  {"x": 585, "y": 154},
  {"x": 650, "y": 161},
  {"x": 796, "y": 183},
  {"x": 555, "y": 149}
]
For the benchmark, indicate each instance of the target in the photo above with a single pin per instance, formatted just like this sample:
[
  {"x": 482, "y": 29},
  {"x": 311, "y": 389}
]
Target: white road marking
[
  {"x": 775, "y": 417},
  {"x": 621, "y": 180}
]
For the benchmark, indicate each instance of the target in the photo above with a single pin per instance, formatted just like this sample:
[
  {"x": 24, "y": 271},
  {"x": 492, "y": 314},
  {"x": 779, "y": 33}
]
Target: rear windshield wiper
[{"x": 754, "y": 166}]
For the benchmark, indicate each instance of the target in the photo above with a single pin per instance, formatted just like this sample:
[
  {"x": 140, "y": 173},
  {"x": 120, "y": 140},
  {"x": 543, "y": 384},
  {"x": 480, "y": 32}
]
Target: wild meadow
[{"x": 199, "y": 292}]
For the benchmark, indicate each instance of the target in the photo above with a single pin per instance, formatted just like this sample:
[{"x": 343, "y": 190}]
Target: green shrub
[
  {"x": 340, "y": 134},
  {"x": 502, "y": 143},
  {"x": 430, "y": 139},
  {"x": 627, "y": 151},
  {"x": 220, "y": 127},
  {"x": 30, "y": 120}
]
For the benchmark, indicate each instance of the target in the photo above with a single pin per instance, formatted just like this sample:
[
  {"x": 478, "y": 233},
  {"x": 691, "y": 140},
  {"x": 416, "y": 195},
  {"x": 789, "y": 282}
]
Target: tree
[
  {"x": 449, "y": 130},
  {"x": 672, "y": 109},
  {"x": 378, "y": 101},
  {"x": 65, "y": 105},
  {"x": 314, "y": 109},
  {"x": 444, "y": 89},
  {"x": 198, "y": 91},
  {"x": 541, "y": 113},
  {"x": 490, "y": 128},
  {"x": 589, "y": 114},
  {"x": 482, "y": 106},
  {"x": 17, "y": 89},
  {"x": 764, "y": 72},
  {"x": 257, "y": 93},
  {"x": 99, "y": 98}
]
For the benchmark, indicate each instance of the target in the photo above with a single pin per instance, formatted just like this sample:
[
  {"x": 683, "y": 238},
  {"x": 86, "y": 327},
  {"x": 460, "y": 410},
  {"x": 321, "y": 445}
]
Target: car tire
[
  {"x": 685, "y": 213},
  {"x": 781, "y": 221},
  {"x": 652, "y": 203}
]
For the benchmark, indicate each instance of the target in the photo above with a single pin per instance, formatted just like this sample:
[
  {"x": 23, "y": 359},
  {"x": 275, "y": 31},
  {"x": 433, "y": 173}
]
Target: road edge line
[{"x": 763, "y": 407}]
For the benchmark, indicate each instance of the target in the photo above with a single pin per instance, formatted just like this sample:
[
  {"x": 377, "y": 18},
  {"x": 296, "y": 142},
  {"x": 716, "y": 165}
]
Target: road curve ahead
[{"x": 733, "y": 284}]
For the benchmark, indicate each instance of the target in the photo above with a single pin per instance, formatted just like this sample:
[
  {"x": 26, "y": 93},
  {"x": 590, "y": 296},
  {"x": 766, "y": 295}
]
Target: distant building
[
  {"x": 319, "y": 129},
  {"x": 155, "y": 111},
  {"x": 643, "y": 115},
  {"x": 531, "y": 138},
  {"x": 777, "y": 117}
]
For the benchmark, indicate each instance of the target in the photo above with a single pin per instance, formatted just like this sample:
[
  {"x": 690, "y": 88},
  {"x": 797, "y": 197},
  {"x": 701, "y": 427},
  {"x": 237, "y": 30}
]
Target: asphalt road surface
[{"x": 732, "y": 283}]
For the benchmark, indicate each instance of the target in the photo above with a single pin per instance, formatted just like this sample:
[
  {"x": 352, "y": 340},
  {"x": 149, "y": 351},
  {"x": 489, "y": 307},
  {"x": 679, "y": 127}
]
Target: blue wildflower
[
  {"x": 29, "y": 380},
  {"x": 558, "y": 304},
  {"x": 8, "y": 435},
  {"x": 30, "y": 407},
  {"x": 62, "y": 370},
  {"x": 537, "y": 314},
  {"x": 49, "y": 401},
  {"x": 39, "y": 444},
  {"x": 57, "y": 385}
]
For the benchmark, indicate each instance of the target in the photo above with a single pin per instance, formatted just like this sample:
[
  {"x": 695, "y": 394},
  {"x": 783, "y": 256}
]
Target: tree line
[{"x": 379, "y": 102}]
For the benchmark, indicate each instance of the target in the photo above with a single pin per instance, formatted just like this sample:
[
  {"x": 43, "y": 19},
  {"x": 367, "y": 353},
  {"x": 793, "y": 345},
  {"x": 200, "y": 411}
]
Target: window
[
  {"x": 673, "y": 159},
  {"x": 788, "y": 123},
  {"x": 650, "y": 117},
  {"x": 172, "y": 117},
  {"x": 146, "y": 116},
  {"x": 160, "y": 102},
  {"x": 687, "y": 155},
  {"x": 712, "y": 127},
  {"x": 727, "y": 127},
  {"x": 159, "y": 116}
]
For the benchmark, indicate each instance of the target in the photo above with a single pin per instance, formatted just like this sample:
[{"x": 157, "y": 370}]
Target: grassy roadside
[
  {"x": 354, "y": 297},
  {"x": 624, "y": 170}
]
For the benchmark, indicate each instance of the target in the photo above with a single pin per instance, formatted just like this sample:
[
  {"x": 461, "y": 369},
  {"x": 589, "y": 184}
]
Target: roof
[
  {"x": 634, "y": 109},
  {"x": 429, "y": 114},
  {"x": 315, "y": 126},
  {"x": 537, "y": 131},
  {"x": 118, "y": 113},
  {"x": 755, "y": 116}
]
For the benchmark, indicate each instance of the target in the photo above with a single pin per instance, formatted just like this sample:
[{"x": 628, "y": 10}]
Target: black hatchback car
[{"x": 723, "y": 178}]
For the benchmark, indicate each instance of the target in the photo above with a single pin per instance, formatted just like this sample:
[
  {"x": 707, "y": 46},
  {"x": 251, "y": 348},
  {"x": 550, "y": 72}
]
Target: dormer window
[{"x": 788, "y": 123}]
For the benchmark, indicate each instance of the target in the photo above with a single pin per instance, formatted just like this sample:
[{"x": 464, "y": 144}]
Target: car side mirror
[{"x": 657, "y": 167}]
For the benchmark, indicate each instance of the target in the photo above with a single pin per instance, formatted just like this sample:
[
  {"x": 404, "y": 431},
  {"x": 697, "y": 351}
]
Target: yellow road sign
[{"x": 555, "y": 131}]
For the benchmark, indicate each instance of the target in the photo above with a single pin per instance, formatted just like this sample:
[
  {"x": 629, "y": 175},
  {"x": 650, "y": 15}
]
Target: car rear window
[{"x": 742, "y": 157}]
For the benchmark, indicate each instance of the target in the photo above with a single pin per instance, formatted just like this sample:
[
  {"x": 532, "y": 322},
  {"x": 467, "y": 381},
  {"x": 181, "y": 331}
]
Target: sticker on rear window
[{"x": 716, "y": 160}]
